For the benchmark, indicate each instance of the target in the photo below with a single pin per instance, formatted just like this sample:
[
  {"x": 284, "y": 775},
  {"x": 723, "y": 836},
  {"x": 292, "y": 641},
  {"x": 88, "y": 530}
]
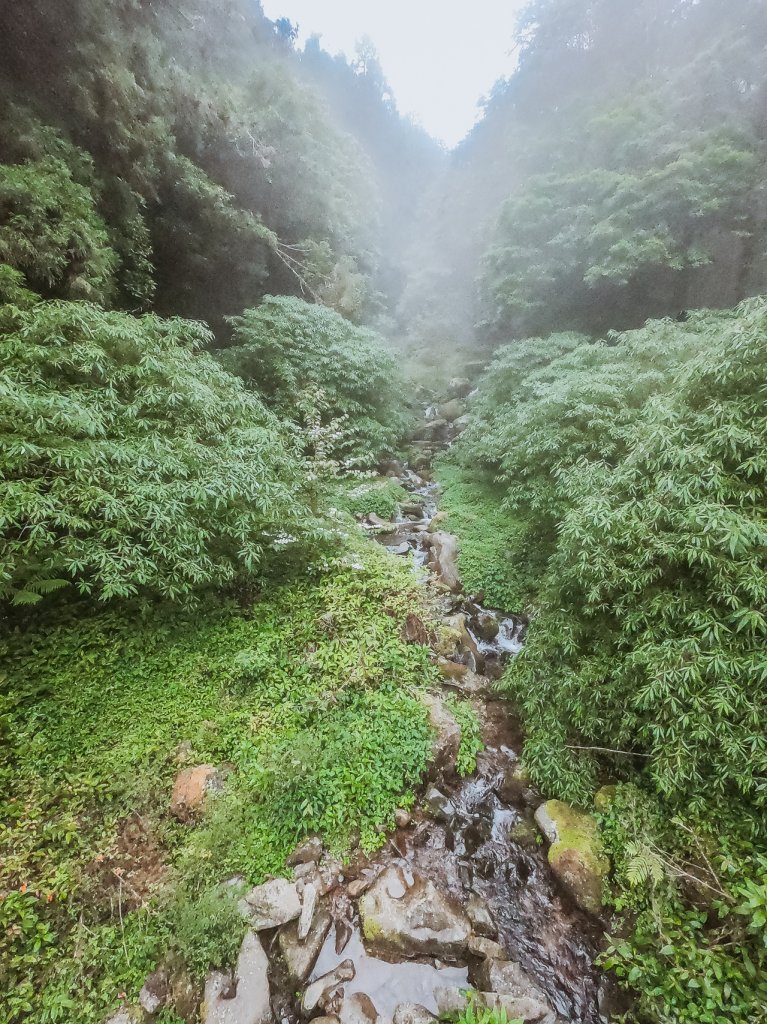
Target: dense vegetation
[
  {"x": 636, "y": 467},
  {"x": 207, "y": 255}
]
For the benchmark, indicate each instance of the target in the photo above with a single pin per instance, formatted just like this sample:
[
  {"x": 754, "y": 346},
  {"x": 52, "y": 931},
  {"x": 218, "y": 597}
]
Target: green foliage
[
  {"x": 693, "y": 953},
  {"x": 50, "y": 230},
  {"x": 471, "y": 734},
  {"x": 207, "y": 930},
  {"x": 494, "y": 556},
  {"x": 132, "y": 462},
  {"x": 652, "y": 603},
  {"x": 309, "y": 698},
  {"x": 306, "y": 361},
  {"x": 474, "y": 1014},
  {"x": 379, "y": 497}
]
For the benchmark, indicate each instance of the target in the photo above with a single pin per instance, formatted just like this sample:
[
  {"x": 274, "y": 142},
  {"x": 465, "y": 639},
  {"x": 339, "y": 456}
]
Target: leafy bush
[
  {"x": 306, "y": 362},
  {"x": 50, "y": 230},
  {"x": 372, "y": 497},
  {"x": 131, "y": 461},
  {"x": 471, "y": 735},
  {"x": 207, "y": 930},
  {"x": 653, "y": 632}
]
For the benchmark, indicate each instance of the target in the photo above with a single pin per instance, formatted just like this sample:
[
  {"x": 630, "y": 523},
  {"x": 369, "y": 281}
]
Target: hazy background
[{"x": 440, "y": 58}]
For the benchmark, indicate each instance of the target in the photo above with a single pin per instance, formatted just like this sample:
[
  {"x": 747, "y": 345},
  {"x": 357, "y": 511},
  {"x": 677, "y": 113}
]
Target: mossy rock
[
  {"x": 575, "y": 855},
  {"x": 604, "y": 798}
]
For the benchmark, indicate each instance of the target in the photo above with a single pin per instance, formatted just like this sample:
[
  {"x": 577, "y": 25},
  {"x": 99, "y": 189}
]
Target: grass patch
[
  {"x": 307, "y": 701},
  {"x": 497, "y": 555}
]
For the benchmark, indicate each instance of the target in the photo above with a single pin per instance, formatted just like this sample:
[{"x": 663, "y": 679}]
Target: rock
[
  {"x": 453, "y": 1001},
  {"x": 190, "y": 789},
  {"x": 508, "y": 979},
  {"x": 451, "y": 669},
  {"x": 318, "y": 993},
  {"x": 412, "y": 508},
  {"x": 460, "y": 424},
  {"x": 436, "y": 521},
  {"x": 516, "y": 785},
  {"x": 575, "y": 855},
  {"x": 308, "y": 905},
  {"x": 301, "y": 956},
  {"x": 486, "y": 626},
  {"x": 358, "y": 886},
  {"x": 401, "y": 549},
  {"x": 438, "y": 805},
  {"x": 451, "y": 410},
  {"x": 155, "y": 992},
  {"x": 127, "y": 1015},
  {"x": 459, "y": 387},
  {"x": 412, "y": 920},
  {"x": 434, "y": 431},
  {"x": 326, "y": 1020},
  {"x": 306, "y": 853},
  {"x": 402, "y": 818},
  {"x": 391, "y": 467},
  {"x": 330, "y": 876},
  {"x": 412, "y": 1013},
  {"x": 447, "y": 738},
  {"x": 358, "y": 1008},
  {"x": 371, "y": 519},
  {"x": 478, "y": 913},
  {"x": 486, "y": 948},
  {"x": 271, "y": 904},
  {"x": 414, "y": 630},
  {"x": 185, "y": 994},
  {"x": 250, "y": 1003},
  {"x": 444, "y": 556}
]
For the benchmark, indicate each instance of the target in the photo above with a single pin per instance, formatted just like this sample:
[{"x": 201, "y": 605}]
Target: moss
[{"x": 577, "y": 855}]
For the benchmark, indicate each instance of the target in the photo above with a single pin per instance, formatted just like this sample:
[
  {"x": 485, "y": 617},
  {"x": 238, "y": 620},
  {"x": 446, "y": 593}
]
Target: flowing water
[{"x": 487, "y": 845}]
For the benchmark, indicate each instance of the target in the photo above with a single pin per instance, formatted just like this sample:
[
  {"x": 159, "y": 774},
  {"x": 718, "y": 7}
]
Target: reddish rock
[{"x": 191, "y": 787}]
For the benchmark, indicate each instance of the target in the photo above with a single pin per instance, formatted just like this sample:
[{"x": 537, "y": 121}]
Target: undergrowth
[{"x": 307, "y": 701}]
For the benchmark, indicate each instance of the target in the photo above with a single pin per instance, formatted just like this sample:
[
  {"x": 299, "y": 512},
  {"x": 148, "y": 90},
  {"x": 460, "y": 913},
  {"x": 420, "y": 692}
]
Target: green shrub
[
  {"x": 372, "y": 497},
  {"x": 132, "y": 462},
  {"x": 50, "y": 231},
  {"x": 316, "y": 369},
  {"x": 207, "y": 929},
  {"x": 471, "y": 734}
]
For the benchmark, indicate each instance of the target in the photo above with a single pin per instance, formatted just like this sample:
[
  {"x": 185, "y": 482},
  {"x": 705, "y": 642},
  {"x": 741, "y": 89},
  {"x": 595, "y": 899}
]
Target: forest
[{"x": 370, "y": 509}]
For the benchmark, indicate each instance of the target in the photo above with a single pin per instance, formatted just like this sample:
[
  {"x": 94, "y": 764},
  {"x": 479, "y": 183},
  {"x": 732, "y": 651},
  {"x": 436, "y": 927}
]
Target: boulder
[
  {"x": 155, "y": 992},
  {"x": 486, "y": 626},
  {"x": 244, "y": 999},
  {"x": 478, "y": 913},
  {"x": 485, "y": 948},
  {"x": 191, "y": 787},
  {"x": 127, "y": 1015},
  {"x": 508, "y": 979},
  {"x": 308, "y": 852},
  {"x": 308, "y": 904},
  {"x": 438, "y": 805},
  {"x": 358, "y": 1008},
  {"x": 447, "y": 733},
  {"x": 412, "y": 920},
  {"x": 320, "y": 991},
  {"x": 458, "y": 387},
  {"x": 575, "y": 854},
  {"x": 451, "y": 669},
  {"x": 299, "y": 955},
  {"x": 413, "y": 1013},
  {"x": 460, "y": 424},
  {"x": 412, "y": 508},
  {"x": 271, "y": 904},
  {"x": 444, "y": 556},
  {"x": 451, "y": 410},
  {"x": 402, "y": 818}
]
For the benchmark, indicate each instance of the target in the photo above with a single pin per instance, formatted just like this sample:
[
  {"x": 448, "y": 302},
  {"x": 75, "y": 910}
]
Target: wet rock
[
  {"x": 438, "y": 805},
  {"x": 301, "y": 956},
  {"x": 371, "y": 519},
  {"x": 444, "y": 556},
  {"x": 250, "y": 1003},
  {"x": 436, "y": 522},
  {"x": 191, "y": 787},
  {"x": 342, "y": 912},
  {"x": 508, "y": 979},
  {"x": 465, "y": 640},
  {"x": 447, "y": 738},
  {"x": 358, "y": 1008},
  {"x": 486, "y": 948},
  {"x": 391, "y": 467},
  {"x": 452, "y": 1001},
  {"x": 451, "y": 669},
  {"x": 330, "y": 876},
  {"x": 306, "y": 853},
  {"x": 401, "y": 549},
  {"x": 458, "y": 387},
  {"x": 478, "y": 913},
  {"x": 486, "y": 626},
  {"x": 320, "y": 991},
  {"x": 412, "y": 508},
  {"x": 451, "y": 410},
  {"x": 575, "y": 854},
  {"x": 326, "y": 1020},
  {"x": 516, "y": 787},
  {"x": 461, "y": 423},
  {"x": 271, "y": 904},
  {"x": 155, "y": 992},
  {"x": 413, "y": 919},
  {"x": 401, "y": 818},
  {"x": 308, "y": 905},
  {"x": 359, "y": 885},
  {"x": 412, "y": 1013}
]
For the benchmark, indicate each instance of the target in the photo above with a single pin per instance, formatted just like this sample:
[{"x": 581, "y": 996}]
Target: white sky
[{"x": 439, "y": 56}]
